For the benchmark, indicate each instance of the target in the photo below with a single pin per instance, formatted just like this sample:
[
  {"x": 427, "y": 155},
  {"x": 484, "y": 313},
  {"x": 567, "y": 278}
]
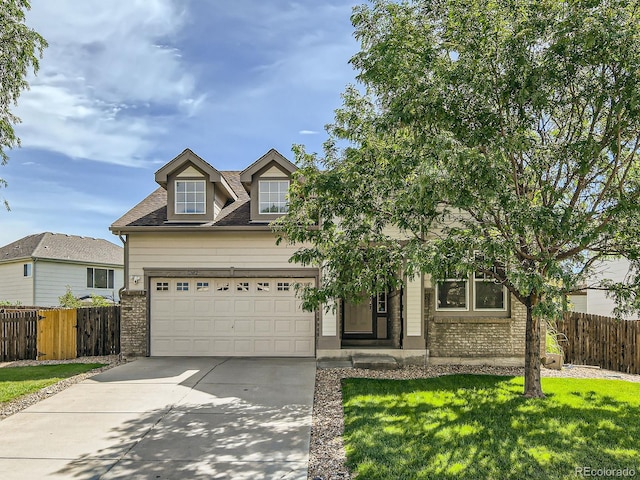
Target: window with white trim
[
  {"x": 162, "y": 286},
  {"x": 182, "y": 286},
  {"x": 202, "y": 286},
  {"x": 273, "y": 196},
  {"x": 284, "y": 286},
  {"x": 262, "y": 287},
  {"x": 488, "y": 294},
  {"x": 223, "y": 286},
  {"x": 190, "y": 197},
  {"x": 381, "y": 303},
  {"x": 100, "y": 277},
  {"x": 27, "y": 269},
  {"x": 453, "y": 294},
  {"x": 242, "y": 286}
]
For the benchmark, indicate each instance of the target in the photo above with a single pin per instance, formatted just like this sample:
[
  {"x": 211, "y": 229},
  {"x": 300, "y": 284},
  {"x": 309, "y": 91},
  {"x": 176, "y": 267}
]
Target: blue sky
[{"x": 126, "y": 85}]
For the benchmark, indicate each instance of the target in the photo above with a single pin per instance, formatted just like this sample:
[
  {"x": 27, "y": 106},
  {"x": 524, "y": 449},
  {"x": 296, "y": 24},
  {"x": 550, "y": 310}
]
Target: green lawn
[
  {"x": 480, "y": 427},
  {"x": 18, "y": 381}
]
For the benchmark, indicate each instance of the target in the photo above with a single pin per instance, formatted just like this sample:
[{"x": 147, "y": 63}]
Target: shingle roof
[
  {"x": 152, "y": 211},
  {"x": 58, "y": 246}
]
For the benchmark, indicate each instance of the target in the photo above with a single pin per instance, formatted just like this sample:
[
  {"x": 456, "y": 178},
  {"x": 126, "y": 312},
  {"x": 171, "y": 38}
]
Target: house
[
  {"x": 598, "y": 302},
  {"x": 36, "y": 269},
  {"x": 204, "y": 276}
]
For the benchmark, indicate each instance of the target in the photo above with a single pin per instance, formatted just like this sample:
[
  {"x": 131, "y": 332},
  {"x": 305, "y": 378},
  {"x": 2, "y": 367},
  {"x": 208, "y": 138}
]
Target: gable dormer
[
  {"x": 196, "y": 192},
  {"x": 267, "y": 181}
]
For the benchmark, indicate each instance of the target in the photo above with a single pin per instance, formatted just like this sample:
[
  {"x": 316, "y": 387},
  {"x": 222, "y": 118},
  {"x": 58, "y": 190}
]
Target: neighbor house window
[
  {"x": 381, "y": 303},
  {"x": 190, "y": 196},
  {"x": 27, "y": 269},
  {"x": 100, "y": 278},
  {"x": 273, "y": 196}
]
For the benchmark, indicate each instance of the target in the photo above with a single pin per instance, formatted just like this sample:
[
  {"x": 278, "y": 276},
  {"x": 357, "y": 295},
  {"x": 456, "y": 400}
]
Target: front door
[{"x": 366, "y": 320}]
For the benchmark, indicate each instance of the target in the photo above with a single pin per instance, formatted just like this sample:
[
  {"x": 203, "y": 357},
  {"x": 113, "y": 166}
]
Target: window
[
  {"x": 27, "y": 269},
  {"x": 381, "y": 303},
  {"x": 190, "y": 196},
  {"x": 162, "y": 286},
  {"x": 99, "y": 278},
  {"x": 202, "y": 286},
  {"x": 453, "y": 294},
  {"x": 263, "y": 286},
  {"x": 273, "y": 196},
  {"x": 182, "y": 286},
  {"x": 487, "y": 294},
  {"x": 283, "y": 286},
  {"x": 242, "y": 286},
  {"x": 223, "y": 286}
]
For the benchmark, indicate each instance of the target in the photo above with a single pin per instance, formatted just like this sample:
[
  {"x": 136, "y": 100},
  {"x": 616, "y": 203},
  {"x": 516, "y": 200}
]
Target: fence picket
[{"x": 603, "y": 341}]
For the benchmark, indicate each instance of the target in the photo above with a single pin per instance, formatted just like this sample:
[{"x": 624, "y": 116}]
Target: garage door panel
[{"x": 229, "y": 317}]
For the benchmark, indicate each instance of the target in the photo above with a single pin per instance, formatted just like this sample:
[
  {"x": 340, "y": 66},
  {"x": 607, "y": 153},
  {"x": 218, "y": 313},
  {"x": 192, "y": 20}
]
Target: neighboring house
[
  {"x": 36, "y": 269},
  {"x": 203, "y": 276},
  {"x": 597, "y": 302}
]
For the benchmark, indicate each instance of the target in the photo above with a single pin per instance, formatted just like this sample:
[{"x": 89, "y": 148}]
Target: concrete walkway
[{"x": 169, "y": 418}]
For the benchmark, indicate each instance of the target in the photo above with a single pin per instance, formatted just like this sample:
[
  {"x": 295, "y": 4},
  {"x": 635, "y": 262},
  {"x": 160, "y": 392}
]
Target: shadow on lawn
[{"x": 477, "y": 426}]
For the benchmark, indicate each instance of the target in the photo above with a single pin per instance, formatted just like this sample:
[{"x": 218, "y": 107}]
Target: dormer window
[
  {"x": 190, "y": 197},
  {"x": 273, "y": 196}
]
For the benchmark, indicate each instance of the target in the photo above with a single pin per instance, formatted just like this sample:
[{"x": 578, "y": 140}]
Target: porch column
[
  {"x": 413, "y": 335},
  {"x": 328, "y": 337}
]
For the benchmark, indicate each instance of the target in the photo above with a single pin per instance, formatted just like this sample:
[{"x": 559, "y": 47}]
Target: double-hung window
[
  {"x": 487, "y": 294},
  {"x": 273, "y": 196},
  {"x": 453, "y": 294},
  {"x": 100, "y": 278},
  {"x": 190, "y": 197}
]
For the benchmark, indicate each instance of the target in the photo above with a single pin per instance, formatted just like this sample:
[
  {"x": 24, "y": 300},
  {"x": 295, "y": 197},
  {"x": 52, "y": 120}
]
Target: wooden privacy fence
[
  {"x": 98, "y": 331},
  {"x": 18, "y": 331},
  {"x": 603, "y": 341},
  {"x": 58, "y": 334}
]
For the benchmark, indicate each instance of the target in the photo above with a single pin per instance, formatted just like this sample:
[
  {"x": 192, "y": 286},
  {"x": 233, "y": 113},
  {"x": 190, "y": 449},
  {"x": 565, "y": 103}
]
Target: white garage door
[{"x": 229, "y": 317}]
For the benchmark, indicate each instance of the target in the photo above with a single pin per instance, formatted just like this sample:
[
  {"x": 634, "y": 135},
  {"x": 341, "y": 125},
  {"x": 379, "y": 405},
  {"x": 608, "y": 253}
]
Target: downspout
[
  {"x": 33, "y": 279},
  {"x": 125, "y": 286}
]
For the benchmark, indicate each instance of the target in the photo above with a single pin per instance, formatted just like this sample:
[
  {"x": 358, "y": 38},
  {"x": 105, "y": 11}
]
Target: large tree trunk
[{"x": 532, "y": 385}]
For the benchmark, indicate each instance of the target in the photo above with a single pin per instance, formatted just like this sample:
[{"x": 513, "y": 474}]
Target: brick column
[{"x": 133, "y": 328}]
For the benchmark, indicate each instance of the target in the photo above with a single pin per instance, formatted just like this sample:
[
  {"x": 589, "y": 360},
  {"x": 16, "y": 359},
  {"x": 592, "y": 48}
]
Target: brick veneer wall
[
  {"x": 133, "y": 323},
  {"x": 475, "y": 337}
]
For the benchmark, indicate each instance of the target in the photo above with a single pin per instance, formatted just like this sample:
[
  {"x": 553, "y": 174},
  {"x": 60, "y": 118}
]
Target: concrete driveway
[{"x": 169, "y": 418}]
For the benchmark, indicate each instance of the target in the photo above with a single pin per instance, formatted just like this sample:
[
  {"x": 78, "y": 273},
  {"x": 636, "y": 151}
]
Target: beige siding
[
  {"x": 14, "y": 286},
  {"x": 414, "y": 307},
  {"x": 599, "y": 302},
  {"x": 218, "y": 202},
  {"x": 53, "y": 277},
  {"x": 329, "y": 323},
  {"x": 221, "y": 249}
]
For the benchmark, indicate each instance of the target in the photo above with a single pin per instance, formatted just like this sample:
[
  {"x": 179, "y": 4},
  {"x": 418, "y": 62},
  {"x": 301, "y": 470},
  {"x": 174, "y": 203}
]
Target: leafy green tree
[
  {"x": 505, "y": 128},
  {"x": 69, "y": 300},
  {"x": 20, "y": 50}
]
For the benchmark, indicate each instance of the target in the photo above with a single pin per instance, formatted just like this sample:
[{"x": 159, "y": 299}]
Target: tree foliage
[
  {"x": 506, "y": 128},
  {"x": 20, "y": 50}
]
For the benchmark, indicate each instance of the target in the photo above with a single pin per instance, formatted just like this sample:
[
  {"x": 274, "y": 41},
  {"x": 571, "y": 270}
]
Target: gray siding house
[{"x": 36, "y": 269}]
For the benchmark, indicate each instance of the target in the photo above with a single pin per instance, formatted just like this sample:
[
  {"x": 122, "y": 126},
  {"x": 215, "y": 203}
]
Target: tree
[
  {"x": 494, "y": 137},
  {"x": 20, "y": 50}
]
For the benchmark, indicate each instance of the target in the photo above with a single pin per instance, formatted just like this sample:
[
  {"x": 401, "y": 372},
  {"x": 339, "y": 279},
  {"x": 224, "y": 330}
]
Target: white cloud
[
  {"x": 108, "y": 82},
  {"x": 308, "y": 132}
]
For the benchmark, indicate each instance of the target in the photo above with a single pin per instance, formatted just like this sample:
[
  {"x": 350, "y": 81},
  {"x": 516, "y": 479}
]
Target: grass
[
  {"x": 480, "y": 426},
  {"x": 18, "y": 381}
]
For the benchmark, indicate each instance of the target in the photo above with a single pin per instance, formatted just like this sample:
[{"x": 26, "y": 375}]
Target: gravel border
[
  {"x": 326, "y": 450},
  {"x": 15, "y": 406}
]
